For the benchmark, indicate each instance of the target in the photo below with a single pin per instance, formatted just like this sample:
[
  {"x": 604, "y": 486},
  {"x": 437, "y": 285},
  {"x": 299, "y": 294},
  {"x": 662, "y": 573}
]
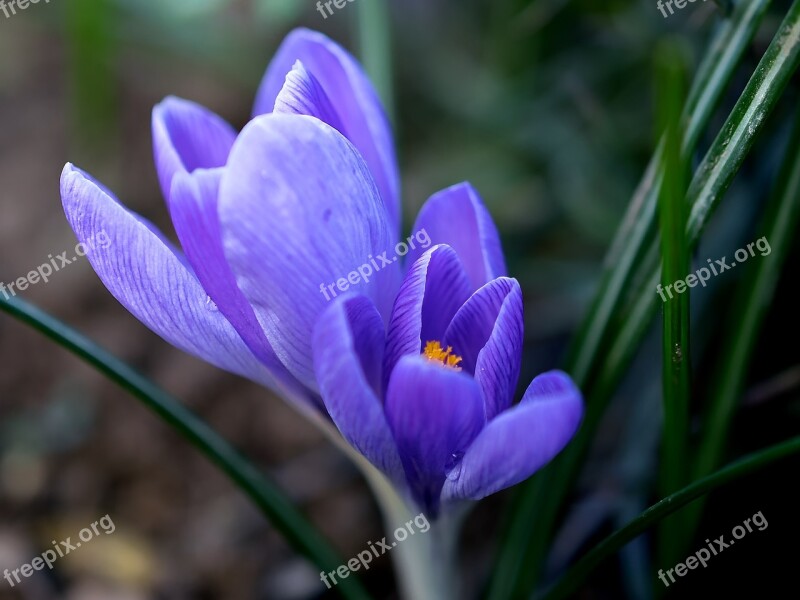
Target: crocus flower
[{"x": 417, "y": 363}]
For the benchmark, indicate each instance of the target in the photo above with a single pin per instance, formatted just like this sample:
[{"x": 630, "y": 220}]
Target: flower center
[{"x": 435, "y": 353}]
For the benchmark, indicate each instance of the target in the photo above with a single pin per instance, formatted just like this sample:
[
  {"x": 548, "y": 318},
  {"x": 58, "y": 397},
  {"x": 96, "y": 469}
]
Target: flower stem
[{"x": 425, "y": 563}]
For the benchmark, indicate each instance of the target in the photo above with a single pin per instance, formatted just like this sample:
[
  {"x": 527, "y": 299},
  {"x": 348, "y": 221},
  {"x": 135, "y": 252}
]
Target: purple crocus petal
[
  {"x": 194, "y": 212},
  {"x": 148, "y": 277},
  {"x": 348, "y": 353},
  {"x": 519, "y": 441},
  {"x": 299, "y": 212},
  {"x": 434, "y": 412},
  {"x": 487, "y": 332},
  {"x": 302, "y": 94},
  {"x": 457, "y": 217},
  {"x": 475, "y": 320},
  {"x": 431, "y": 293},
  {"x": 186, "y": 137},
  {"x": 362, "y": 118},
  {"x": 191, "y": 144}
]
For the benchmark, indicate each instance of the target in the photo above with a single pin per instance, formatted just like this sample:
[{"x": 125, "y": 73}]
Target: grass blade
[
  {"x": 571, "y": 581},
  {"x": 750, "y": 305},
  {"x": 712, "y": 179},
  {"x": 713, "y": 76},
  {"x": 278, "y": 508},
  {"x": 538, "y": 501},
  {"x": 670, "y": 77}
]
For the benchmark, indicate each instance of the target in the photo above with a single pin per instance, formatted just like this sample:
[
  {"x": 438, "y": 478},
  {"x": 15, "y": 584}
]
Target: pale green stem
[{"x": 425, "y": 563}]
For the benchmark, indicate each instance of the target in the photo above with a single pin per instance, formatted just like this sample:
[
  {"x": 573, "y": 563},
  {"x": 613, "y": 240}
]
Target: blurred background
[{"x": 546, "y": 106}]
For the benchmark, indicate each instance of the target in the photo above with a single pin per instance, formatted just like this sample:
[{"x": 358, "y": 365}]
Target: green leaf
[
  {"x": 571, "y": 581},
  {"x": 670, "y": 76},
  {"x": 275, "y": 505},
  {"x": 536, "y": 503},
  {"x": 711, "y": 181},
  {"x": 638, "y": 225},
  {"x": 753, "y": 298},
  {"x": 714, "y": 175}
]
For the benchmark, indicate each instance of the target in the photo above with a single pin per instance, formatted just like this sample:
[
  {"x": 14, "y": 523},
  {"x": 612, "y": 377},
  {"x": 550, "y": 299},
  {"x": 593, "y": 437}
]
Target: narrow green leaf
[
  {"x": 276, "y": 506},
  {"x": 750, "y": 304},
  {"x": 571, "y": 581},
  {"x": 712, "y": 179},
  {"x": 536, "y": 504},
  {"x": 740, "y": 130},
  {"x": 670, "y": 76},
  {"x": 638, "y": 225}
]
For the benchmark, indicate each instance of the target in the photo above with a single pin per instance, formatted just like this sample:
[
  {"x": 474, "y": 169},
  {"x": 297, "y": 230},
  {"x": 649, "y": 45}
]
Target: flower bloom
[{"x": 416, "y": 367}]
